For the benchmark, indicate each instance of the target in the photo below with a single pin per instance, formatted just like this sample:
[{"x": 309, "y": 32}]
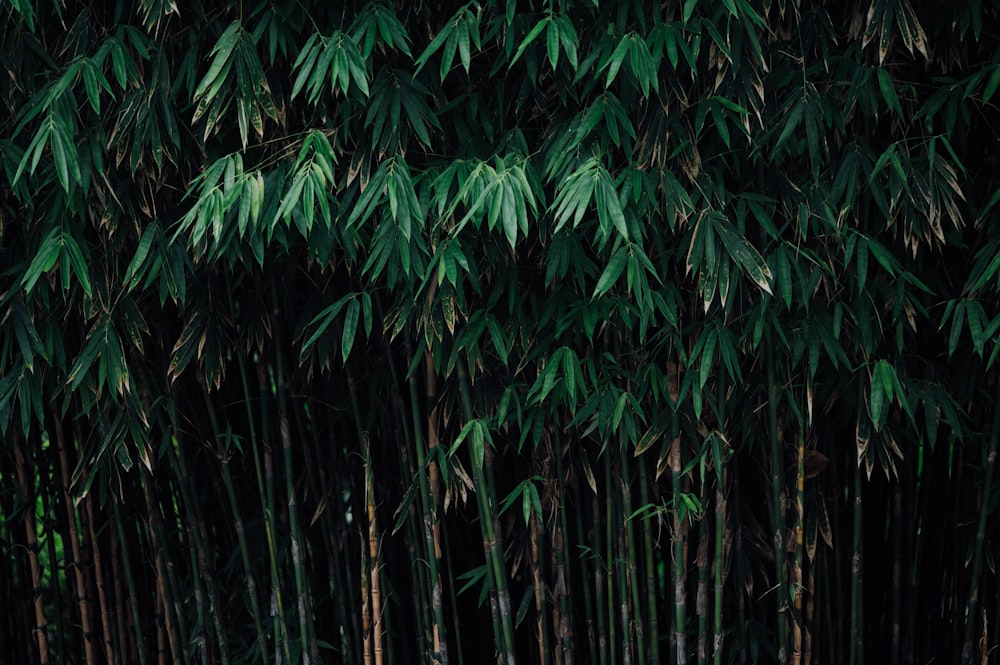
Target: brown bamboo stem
[
  {"x": 31, "y": 535},
  {"x": 102, "y": 595},
  {"x": 79, "y": 570}
]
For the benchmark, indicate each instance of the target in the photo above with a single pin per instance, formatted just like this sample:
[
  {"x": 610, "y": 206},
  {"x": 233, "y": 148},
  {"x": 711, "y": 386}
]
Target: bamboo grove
[{"x": 542, "y": 332}]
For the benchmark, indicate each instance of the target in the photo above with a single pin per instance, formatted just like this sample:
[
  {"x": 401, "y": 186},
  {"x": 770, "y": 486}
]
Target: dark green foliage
[{"x": 582, "y": 302}]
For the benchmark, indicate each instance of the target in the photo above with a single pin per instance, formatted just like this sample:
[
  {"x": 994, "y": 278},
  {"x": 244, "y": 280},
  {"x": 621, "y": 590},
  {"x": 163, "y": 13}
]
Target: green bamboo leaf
[
  {"x": 611, "y": 272},
  {"x": 350, "y": 328},
  {"x": 223, "y": 51}
]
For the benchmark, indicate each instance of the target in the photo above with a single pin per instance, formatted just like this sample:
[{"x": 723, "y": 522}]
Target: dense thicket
[{"x": 543, "y": 332}]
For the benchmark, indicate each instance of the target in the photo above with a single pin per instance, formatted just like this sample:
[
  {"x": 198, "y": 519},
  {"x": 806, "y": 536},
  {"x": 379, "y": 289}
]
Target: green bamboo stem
[
  {"x": 777, "y": 505},
  {"x": 439, "y": 641},
  {"x": 31, "y": 536},
  {"x": 652, "y": 588},
  {"x": 201, "y": 571},
  {"x": 989, "y": 461},
  {"x": 632, "y": 626},
  {"x": 280, "y": 627},
  {"x": 485, "y": 496}
]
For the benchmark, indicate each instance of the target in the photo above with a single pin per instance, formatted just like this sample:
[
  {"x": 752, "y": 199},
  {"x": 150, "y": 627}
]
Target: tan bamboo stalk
[
  {"x": 102, "y": 595},
  {"x": 434, "y": 480},
  {"x": 79, "y": 570},
  {"x": 41, "y": 627},
  {"x": 539, "y": 591},
  {"x": 373, "y": 558},
  {"x": 366, "y": 609}
]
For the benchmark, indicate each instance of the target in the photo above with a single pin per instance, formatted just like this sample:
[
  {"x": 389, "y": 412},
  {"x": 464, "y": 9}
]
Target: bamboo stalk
[
  {"x": 199, "y": 533},
  {"x": 428, "y": 504},
  {"x": 565, "y": 655},
  {"x": 178, "y": 652},
  {"x": 133, "y": 590},
  {"x": 124, "y": 642},
  {"x": 79, "y": 570},
  {"x": 237, "y": 519},
  {"x": 40, "y": 630},
  {"x": 989, "y": 462},
  {"x": 857, "y": 629},
  {"x": 373, "y": 558},
  {"x": 796, "y": 574},
  {"x": 675, "y": 461},
  {"x": 777, "y": 504},
  {"x": 701, "y": 599},
  {"x": 652, "y": 588},
  {"x": 486, "y": 497},
  {"x": 634, "y": 624},
  {"x": 897, "y": 573},
  {"x": 281, "y": 639},
  {"x": 610, "y": 526},
  {"x": 599, "y": 579},
  {"x": 541, "y": 616},
  {"x": 102, "y": 595},
  {"x": 719, "y": 565}
]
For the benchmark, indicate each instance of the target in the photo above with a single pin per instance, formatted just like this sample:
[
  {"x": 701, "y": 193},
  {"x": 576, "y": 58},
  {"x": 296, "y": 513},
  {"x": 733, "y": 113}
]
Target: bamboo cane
[
  {"x": 561, "y": 564},
  {"x": 137, "y": 639},
  {"x": 439, "y": 641},
  {"x": 796, "y": 574},
  {"x": 79, "y": 570},
  {"x": 634, "y": 625},
  {"x": 124, "y": 642},
  {"x": 857, "y": 629},
  {"x": 719, "y": 564},
  {"x": 40, "y": 631},
  {"x": 102, "y": 595},
  {"x": 486, "y": 497},
  {"x": 701, "y": 599},
  {"x": 777, "y": 504},
  {"x": 989, "y": 462},
  {"x": 651, "y": 587},
  {"x": 178, "y": 651},
  {"x": 675, "y": 461}
]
